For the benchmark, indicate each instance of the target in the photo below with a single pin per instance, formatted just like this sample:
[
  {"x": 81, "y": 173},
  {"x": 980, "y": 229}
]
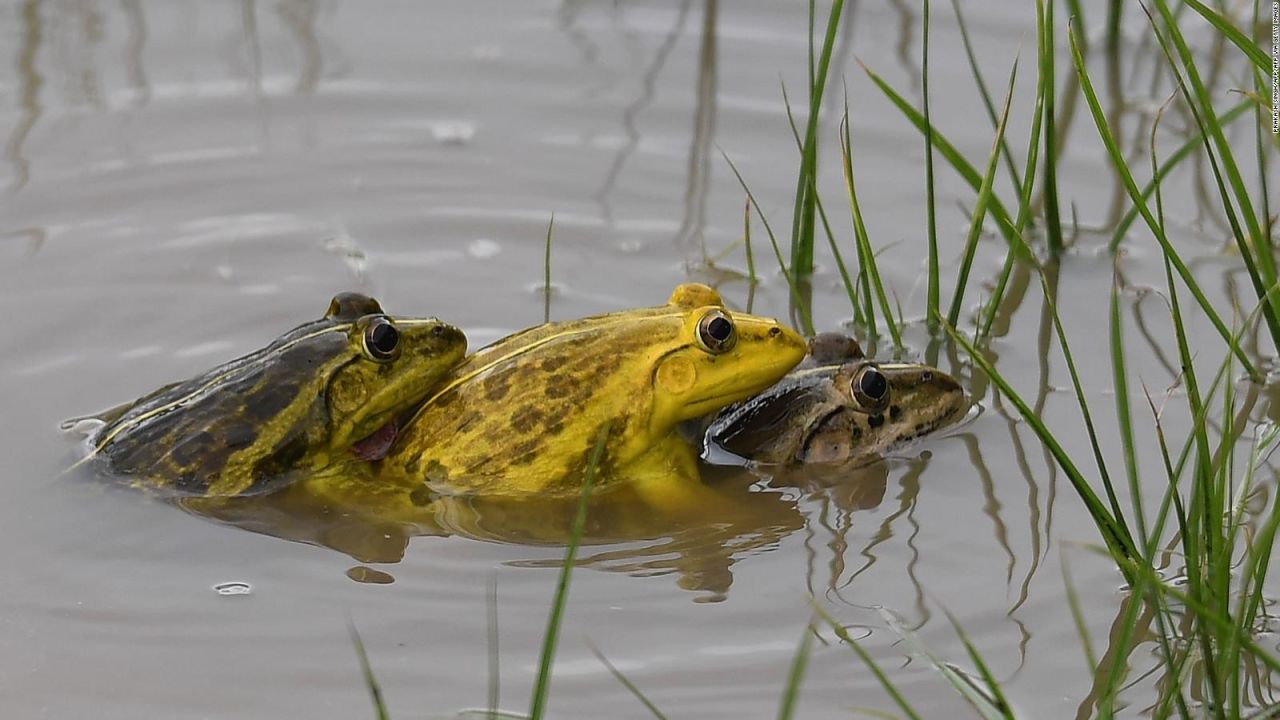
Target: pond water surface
[{"x": 182, "y": 182}]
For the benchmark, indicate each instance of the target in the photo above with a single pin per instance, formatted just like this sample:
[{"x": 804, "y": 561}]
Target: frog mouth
[{"x": 378, "y": 444}]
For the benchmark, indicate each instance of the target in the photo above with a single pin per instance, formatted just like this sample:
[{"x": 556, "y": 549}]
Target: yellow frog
[{"x": 521, "y": 416}]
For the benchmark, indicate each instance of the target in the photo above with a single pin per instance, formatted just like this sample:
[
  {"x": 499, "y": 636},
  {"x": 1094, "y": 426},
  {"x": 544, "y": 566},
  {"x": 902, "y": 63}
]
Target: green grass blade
[
  {"x": 999, "y": 701},
  {"x": 1047, "y": 51},
  {"x": 1225, "y": 156},
  {"x": 986, "y": 706},
  {"x": 546, "y": 273},
  {"x": 1169, "y": 165},
  {"x": 1077, "y": 616},
  {"x": 1255, "y": 250},
  {"x": 948, "y": 152},
  {"x": 495, "y": 674},
  {"x": 366, "y": 670},
  {"x": 1117, "y": 514},
  {"x": 796, "y": 297},
  {"x": 1115, "y": 537},
  {"x": 867, "y": 660},
  {"x": 795, "y": 676},
  {"x": 1113, "y": 149},
  {"x": 1124, "y": 415},
  {"x": 802, "y": 219},
  {"x": 1230, "y": 32},
  {"x": 835, "y": 252},
  {"x": 866, "y": 255},
  {"x": 542, "y": 686},
  {"x": 1020, "y": 250},
  {"x": 626, "y": 682},
  {"x": 934, "y": 309},
  {"x": 1200, "y": 535},
  {"x": 1207, "y": 614},
  {"x": 980, "y": 206},
  {"x": 985, "y": 94}
]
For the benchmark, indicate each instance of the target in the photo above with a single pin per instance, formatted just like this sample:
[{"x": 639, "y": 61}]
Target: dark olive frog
[
  {"x": 838, "y": 407},
  {"x": 311, "y": 398}
]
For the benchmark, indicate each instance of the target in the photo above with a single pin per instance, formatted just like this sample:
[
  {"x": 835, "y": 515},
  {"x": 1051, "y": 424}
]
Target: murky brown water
[{"x": 181, "y": 182}]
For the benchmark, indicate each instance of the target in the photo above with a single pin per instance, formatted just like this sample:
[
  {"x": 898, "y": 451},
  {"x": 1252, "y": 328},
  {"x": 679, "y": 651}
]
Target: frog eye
[
  {"x": 716, "y": 333},
  {"x": 870, "y": 388},
  {"x": 381, "y": 340}
]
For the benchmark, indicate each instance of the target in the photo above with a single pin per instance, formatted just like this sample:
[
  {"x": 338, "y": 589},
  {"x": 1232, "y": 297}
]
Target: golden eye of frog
[
  {"x": 305, "y": 401},
  {"x": 522, "y": 415},
  {"x": 839, "y": 407}
]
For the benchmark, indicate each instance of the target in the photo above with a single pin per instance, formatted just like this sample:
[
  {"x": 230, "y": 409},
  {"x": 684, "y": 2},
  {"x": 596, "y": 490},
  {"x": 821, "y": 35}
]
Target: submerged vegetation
[{"x": 1195, "y": 556}]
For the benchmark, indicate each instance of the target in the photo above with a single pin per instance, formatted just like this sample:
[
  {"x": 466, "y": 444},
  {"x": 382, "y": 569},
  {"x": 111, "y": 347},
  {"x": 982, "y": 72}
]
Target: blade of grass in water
[
  {"x": 948, "y": 152},
  {"x": 1020, "y": 250},
  {"x": 933, "y": 307},
  {"x": 867, "y": 660},
  {"x": 1046, "y": 45},
  {"x": 986, "y": 706},
  {"x": 1198, "y": 534},
  {"x": 844, "y": 272},
  {"x": 849, "y": 286},
  {"x": 626, "y": 682},
  {"x": 1077, "y": 617},
  {"x": 802, "y": 219},
  {"x": 985, "y": 94},
  {"x": 370, "y": 681},
  {"x": 746, "y": 239},
  {"x": 1117, "y": 514},
  {"x": 795, "y": 676},
  {"x": 980, "y": 206},
  {"x": 1168, "y": 166},
  {"x": 1113, "y": 534},
  {"x": 546, "y": 273},
  {"x": 998, "y": 701},
  {"x": 805, "y": 318},
  {"x": 542, "y": 686},
  {"x": 1230, "y": 32},
  {"x": 1255, "y": 250},
  {"x": 1124, "y": 416},
  {"x": 495, "y": 675},
  {"x": 866, "y": 255},
  {"x": 1108, "y": 139}
]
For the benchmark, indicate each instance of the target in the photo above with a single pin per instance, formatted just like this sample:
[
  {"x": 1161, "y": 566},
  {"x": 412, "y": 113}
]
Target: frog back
[{"x": 190, "y": 437}]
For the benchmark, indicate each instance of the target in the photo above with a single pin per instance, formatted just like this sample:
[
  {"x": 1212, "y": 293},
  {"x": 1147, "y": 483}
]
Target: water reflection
[
  {"x": 135, "y": 45},
  {"x": 372, "y": 521},
  {"x": 732, "y": 514},
  {"x": 30, "y": 82},
  {"x": 299, "y": 17},
  {"x": 648, "y": 84},
  {"x": 698, "y": 172}
]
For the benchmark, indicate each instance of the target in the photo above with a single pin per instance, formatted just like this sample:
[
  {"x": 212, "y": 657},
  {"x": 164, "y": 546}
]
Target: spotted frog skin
[
  {"x": 303, "y": 402},
  {"x": 521, "y": 416},
  {"x": 838, "y": 407}
]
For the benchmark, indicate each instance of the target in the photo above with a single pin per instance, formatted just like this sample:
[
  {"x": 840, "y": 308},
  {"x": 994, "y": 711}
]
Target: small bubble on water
[
  {"x": 233, "y": 588},
  {"x": 483, "y": 248},
  {"x": 453, "y": 132}
]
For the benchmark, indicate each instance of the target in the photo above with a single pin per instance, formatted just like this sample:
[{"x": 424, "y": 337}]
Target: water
[{"x": 182, "y": 182}]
